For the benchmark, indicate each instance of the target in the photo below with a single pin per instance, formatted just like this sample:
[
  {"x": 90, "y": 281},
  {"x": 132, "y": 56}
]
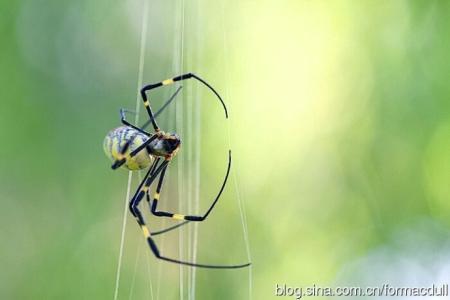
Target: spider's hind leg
[
  {"x": 177, "y": 216},
  {"x": 134, "y": 203}
]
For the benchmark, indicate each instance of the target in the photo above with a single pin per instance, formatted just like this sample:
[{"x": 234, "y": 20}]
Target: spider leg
[
  {"x": 156, "y": 114},
  {"x": 171, "y": 81},
  {"x": 123, "y": 111},
  {"x": 168, "y": 228},
  {"x": 142, "y": 190},
  {"x": 161, "y": 178},
  {"x": 125, "y": 122},
  {"x": 165, "y": 230},
  {"x": 151, "y": 175},
  {"x": 177, "y": 216}
]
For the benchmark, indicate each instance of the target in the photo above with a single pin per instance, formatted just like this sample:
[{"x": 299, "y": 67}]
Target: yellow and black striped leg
[
  {"x": 155, "y": 115},
  {"x": 124, "y": 121},
  {"x": 165, "y": 105},
  {"x": 149, "y": 109},
  {"x": 143, "y": 188},
  {"x": 156, "y": 198},
  {"x": 188, "y": 217},
  {"x": 153, "y": 204},
  {"x": 171, "y": 81}
]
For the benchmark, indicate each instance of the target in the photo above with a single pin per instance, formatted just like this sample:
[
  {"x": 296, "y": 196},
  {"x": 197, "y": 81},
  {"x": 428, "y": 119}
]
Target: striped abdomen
[{"x": 116, "y": 139}]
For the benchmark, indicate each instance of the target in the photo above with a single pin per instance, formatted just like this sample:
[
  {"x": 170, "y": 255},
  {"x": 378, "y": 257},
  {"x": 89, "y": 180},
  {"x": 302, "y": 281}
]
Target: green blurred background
[{"x": 340, "y": 130}]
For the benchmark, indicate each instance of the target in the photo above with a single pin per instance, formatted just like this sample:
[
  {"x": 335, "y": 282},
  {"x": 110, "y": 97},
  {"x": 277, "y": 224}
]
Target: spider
[{"x": 134, "y": 148}]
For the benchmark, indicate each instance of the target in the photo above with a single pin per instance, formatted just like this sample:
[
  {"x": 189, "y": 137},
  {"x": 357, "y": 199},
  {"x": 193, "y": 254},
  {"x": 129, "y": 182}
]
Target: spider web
[{"x": 240, "y": 202}]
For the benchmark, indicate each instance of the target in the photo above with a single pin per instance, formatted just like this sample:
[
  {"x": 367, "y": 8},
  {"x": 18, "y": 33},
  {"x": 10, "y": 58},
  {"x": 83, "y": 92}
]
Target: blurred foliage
[{"x": 340, "y": 132}]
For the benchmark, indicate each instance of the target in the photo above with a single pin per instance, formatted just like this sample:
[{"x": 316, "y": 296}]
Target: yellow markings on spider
[
  {"x": 146, "y": 103},
  {"x": 145, "y": 188},
  {"x": 156, "y": 197},
  {"x": 113, "y": 151},
  {"x": 125, "y": 156},
  {"x": 132, "y": 165},
  {"x": 167, "y": 81},
  {"x": 178, "y": 217},
  {"x": 145, "y": 231}
]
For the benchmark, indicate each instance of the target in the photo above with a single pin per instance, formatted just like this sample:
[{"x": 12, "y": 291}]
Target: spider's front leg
[{"x": 170, "y": 81}]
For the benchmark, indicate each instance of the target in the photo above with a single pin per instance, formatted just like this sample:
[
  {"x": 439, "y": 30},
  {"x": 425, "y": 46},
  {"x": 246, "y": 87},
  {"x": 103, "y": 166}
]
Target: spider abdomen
[{"x": 115, "y": 141}]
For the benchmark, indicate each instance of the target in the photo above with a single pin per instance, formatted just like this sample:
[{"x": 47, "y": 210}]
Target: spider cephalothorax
[{"x": 165, "y": 145}]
